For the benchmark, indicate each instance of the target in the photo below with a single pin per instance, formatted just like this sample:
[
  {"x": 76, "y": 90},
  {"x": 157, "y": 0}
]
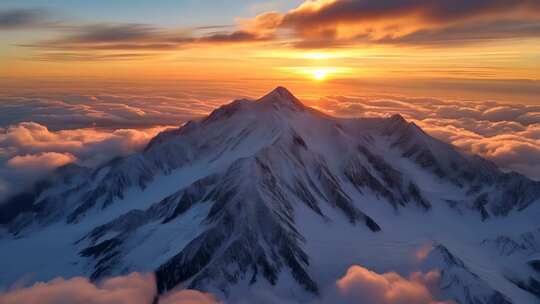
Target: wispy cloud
[
  {"x": 23, "y": 18},
  {"x": 83, "y": 42}
]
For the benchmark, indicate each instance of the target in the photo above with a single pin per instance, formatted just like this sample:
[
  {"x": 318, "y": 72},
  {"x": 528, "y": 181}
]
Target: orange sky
[{"x": 315, "y": 47}]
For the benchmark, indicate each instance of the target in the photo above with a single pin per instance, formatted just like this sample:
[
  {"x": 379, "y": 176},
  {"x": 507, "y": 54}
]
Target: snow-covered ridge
[{"x": 247, "y": 195}]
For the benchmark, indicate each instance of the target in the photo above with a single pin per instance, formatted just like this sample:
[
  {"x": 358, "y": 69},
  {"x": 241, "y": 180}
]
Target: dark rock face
[
  {"x": 250, "y": 237},
  {"x": 535, "y": 264},
  {"x": 459, "y": 282},
  {"x": 389, "y": 182},
  {"x": 106, "y": 255},
  {"x": 531, "y": 285}
]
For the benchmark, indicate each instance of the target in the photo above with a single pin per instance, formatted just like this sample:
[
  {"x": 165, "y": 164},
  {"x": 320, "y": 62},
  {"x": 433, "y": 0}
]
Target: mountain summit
[
  {"x": 282, "y": 96},
  {"x": 271, "y": 194}
]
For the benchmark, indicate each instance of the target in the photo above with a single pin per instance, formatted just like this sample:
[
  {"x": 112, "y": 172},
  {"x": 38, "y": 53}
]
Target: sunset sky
[
  {"x": 72, "y": 72},
  {"x": 481, "y": 49}
]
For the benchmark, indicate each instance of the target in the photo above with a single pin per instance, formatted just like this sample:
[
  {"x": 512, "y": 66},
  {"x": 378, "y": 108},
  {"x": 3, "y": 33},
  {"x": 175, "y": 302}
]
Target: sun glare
[{"x": 319, "y": 74}]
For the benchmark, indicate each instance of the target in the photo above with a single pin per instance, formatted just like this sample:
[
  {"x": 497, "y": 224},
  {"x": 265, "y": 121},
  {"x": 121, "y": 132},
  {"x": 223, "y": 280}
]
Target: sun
[{"x": 319, "y": 74}]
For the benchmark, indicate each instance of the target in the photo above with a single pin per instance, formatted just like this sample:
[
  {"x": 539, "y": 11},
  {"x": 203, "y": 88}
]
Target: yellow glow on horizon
[
  {"x": 320, "y": 56},
  {"x": 319, "y": 74}
]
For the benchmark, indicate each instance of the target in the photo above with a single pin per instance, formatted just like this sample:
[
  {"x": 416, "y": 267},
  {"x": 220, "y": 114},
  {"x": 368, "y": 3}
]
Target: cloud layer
[
  {"x": 91, "y": 129},
  {"x": 507, "y": 134},
  {"x": 39, "y": 133},
  {"x": 101, "y": 110},
  {"x": 134, "y": 288},
  {"x": 358, "y": 285},
  {"x": 29, "y": 151},
  {"x": 361, "y": 285}
]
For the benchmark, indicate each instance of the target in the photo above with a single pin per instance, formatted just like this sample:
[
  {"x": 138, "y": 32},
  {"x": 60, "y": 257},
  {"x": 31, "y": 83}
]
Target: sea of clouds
[{"x": 41, "y": 133}]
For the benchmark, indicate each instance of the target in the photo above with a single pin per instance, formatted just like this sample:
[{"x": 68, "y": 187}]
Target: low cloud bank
[
  {"x": 361, "y": 285},
  {"x": 358, "y": 285},
  {"x": 135, "y": 288},
  {"x": 29, "y": 151}
]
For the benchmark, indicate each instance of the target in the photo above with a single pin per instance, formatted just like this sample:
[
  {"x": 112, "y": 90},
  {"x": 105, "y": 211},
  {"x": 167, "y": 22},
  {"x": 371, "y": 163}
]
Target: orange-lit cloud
[
  {"x": 357, "y": 285},
  {"x": 189, "y": 296},
  {"x": 334, "y": 23},
  {"x": 134, "y": 288},
  {"x": 313, "y": 24},
  {"x": 363, "y": 285},
  {"x": 40, "y": 161},
  {"x": 31, "y": 138},
  {"x": 422, "y": 253}
]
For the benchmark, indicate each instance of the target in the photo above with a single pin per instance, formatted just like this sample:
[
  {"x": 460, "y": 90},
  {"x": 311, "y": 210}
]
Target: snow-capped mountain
[{"x": 271, "y": 193}]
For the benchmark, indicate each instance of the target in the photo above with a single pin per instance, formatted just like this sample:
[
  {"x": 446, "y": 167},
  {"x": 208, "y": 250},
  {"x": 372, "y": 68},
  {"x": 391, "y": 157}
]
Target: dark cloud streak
[
  {"x": 22, "y": 18},
  {"x": 417, "y": 22},
  {"x": 441, "y": 11},
  {"x": 237, "y": 36},
  {"x": 129, "y": 37}
]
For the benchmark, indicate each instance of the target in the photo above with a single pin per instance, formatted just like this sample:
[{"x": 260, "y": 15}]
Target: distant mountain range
[{"x": 275, "y": 194}]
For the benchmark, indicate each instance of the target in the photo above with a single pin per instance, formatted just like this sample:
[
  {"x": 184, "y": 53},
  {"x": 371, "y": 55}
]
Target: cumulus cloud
[
  {"x": 134, "y": 288},
  {"x": 29, "y": 151},
  {"x": 358, "y": 285},
  {"x": 361, "y": 285},
  {"x": 20, "y": 141}
]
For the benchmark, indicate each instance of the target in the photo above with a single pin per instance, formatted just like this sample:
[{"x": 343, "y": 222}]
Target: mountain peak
[
  {"x": 281, "y": 96},
  {"x": 398, "y": 119}
]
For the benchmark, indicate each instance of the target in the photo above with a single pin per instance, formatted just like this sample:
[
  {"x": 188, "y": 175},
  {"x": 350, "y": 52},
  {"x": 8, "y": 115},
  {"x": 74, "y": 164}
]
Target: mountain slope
[{"x": 267, "y": 192}]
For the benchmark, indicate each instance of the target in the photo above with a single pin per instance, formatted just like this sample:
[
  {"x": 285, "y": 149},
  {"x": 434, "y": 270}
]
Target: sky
[
  {"x": 481, "y": 49},
  {"x": 84, "y": 81}
]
